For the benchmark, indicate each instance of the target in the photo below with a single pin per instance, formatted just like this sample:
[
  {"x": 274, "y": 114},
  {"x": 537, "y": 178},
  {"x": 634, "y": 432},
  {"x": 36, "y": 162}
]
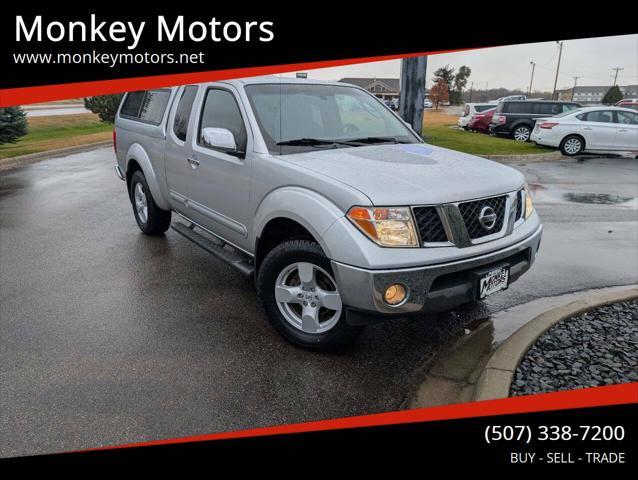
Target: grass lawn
[
  {"x": 437, "y": 131},
  {"x": 58, "y": 131}
]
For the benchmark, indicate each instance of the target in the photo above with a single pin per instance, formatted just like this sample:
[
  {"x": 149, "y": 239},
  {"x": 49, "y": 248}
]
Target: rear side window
[
  {"x": 146, "y": 106},
  {"x": 183, "y": 113},
  {"x": 132, "y": 104},
  {"x": 601, "y": 116},
  {"x": 221, "y": 111},
  {"x": 482, "y": 108},
  {"x": 517, "y": 107},
  {"x": 548, "y": 108}
]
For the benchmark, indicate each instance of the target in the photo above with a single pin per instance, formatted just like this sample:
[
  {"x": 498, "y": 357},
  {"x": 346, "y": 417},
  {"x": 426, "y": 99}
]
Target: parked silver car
[{"x": 339, "y": 210}]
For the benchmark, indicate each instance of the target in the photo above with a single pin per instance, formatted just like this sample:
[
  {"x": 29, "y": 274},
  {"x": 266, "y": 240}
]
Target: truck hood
[{"x": 411, "y": 174}]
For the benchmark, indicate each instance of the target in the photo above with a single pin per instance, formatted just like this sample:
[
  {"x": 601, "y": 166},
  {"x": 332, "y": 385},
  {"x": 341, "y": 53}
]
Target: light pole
[
  {"x": 529, "y": 92},
  {"x": 616, "y": 76},
  {"x": 560, "y": 53}
]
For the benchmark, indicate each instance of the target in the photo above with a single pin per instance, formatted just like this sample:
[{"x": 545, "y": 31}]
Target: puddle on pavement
[
  {"x": 596, "y": 198},
  {"x": 554, "y": 194}
]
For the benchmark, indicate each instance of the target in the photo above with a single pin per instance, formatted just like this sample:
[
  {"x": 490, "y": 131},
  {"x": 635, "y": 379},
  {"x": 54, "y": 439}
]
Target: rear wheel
[
  {"x": 301, "y": 297},
  {"x": 572, "y": 145},
  {"x": 521, "y": 133},
  {"x": 151, "y": 219}
]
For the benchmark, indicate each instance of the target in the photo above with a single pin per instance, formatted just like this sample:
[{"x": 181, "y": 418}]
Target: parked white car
[
  {"x": 591, "y": 129},
  {"x": 472, "y": 109},
  {"x": 427, "y": 103}
]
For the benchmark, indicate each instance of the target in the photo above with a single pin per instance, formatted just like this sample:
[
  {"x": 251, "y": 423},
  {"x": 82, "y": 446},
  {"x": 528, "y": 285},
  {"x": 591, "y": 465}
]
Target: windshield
[{"x": 295, "y": 118}]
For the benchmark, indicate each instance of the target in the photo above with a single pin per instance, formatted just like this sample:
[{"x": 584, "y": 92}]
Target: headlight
[
  {"x": 387, "y": 226},
  {"x": 529, "y": 207}
]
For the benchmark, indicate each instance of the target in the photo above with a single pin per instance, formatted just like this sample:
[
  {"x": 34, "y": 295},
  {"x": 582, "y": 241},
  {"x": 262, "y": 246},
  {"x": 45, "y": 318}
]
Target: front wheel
[
  {"x": 572, "y": 145},
  {"x": 151, "y": 219},
  {"x": 522, "y": 133},
  {"x": 297, "y": 288}
]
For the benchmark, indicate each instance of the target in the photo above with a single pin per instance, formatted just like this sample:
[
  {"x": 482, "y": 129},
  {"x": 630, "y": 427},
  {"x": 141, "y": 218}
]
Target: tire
[
  {"x": 521, "y": 133},
  {"x": 572, "y": 145},
  {"x": 283, "y": 268},
  {"x": 151, "y": 219}
]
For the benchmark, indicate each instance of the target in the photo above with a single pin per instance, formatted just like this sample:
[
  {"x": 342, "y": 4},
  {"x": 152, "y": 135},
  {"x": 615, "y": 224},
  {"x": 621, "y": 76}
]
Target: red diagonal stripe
[
  {"x": 47, "y": 93},
  {"x": 590, "y": 397}
]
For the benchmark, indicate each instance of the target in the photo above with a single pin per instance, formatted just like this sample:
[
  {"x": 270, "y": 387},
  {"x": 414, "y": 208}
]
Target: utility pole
[
  {"x": 529, "y": 92},
  {"x": 413, "y": 73},
  {"x": 560, "y": 53},
  {"x": 487, "y": 84},
  {"x": 574, "y": 89},
  {"x": 617, "y": 69},
  {"x": 471, "y": 88}
]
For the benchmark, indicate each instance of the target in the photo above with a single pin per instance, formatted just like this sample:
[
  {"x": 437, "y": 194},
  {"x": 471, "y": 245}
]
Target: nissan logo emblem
[{"x": 487, "y": 218}]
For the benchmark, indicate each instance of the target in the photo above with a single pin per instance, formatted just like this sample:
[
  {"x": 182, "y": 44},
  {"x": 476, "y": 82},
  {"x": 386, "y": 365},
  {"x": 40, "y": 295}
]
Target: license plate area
[{"x": 492, "y": 280}]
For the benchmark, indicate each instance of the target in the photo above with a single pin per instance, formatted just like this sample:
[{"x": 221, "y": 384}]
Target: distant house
[
  {"x": 594, "y": 94},
  {"x": 384, "y": 88}
]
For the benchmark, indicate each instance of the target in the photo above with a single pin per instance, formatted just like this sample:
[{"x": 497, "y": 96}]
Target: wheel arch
[
  {"x": 574, "y": 134},
  {"x": 138, "y": 159},
  {"x": 296, "y": 211}
]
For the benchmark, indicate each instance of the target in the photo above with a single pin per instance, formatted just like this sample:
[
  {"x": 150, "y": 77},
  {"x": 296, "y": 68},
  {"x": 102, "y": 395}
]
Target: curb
[
  {"x": 481, "y": 364},
  {"x": 497, "y": 375},
  {"x": 22, "y": 160}
]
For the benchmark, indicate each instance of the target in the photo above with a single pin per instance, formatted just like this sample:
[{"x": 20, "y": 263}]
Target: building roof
[
  {"x": 391, "y": 84},
  {"x": 584, "y": 90}
]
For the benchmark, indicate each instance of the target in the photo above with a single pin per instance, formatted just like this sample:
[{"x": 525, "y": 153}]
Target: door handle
[
  {"x": 622, "y": 130},
  {"x": 193, "y": 162}
]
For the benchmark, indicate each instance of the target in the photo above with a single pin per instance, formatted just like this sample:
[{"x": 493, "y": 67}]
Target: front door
[
  {"x": 219, "y": 189},
  {"x": 626, "y": 131}
]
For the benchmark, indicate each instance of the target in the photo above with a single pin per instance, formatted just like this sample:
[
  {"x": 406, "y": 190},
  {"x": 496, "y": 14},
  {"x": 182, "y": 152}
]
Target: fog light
[{"x": 395, "y": 294}]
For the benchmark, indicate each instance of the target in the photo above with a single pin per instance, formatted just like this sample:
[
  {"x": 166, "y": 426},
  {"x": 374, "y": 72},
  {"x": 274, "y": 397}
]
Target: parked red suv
[{"x": 481, "y": 121}]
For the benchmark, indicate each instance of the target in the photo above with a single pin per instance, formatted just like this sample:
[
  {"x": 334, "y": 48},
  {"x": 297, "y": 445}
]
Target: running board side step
[{"x": 241, "y": 262}]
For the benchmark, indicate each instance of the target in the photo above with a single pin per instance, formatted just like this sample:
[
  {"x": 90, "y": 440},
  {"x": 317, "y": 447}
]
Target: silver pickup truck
[{"x": 340, "y": 211}]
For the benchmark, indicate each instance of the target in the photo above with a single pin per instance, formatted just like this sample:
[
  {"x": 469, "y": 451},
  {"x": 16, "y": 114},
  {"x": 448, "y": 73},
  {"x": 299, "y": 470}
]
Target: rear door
[
  {"x": 599, "y": 130},
  {"x": 179, "y": 170},
  {"x": 626, "y": 131}
]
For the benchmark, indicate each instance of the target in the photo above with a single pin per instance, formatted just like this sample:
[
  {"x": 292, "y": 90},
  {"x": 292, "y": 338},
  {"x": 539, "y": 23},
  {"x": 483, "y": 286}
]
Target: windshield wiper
[
  {"x": 371, "y": 140},
  {"x": 312, "y": 142}
]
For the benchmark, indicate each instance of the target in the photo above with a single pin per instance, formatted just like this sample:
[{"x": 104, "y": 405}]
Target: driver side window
[{"x": 221, "y": 110}]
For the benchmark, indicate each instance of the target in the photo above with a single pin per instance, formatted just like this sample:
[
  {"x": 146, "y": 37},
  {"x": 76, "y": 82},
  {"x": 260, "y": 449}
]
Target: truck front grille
[
  {"x": 519, "y": 204},
  {"x": 470, "y": 211},
  {"x": 430, "y": 225}
]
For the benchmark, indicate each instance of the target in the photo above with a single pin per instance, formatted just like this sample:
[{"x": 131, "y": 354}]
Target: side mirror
[{"x": 219, "y": 138}]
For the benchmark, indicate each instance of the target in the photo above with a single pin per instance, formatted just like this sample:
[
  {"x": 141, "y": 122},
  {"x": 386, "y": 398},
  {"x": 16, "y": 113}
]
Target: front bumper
[{"x": 431, "y": 288}]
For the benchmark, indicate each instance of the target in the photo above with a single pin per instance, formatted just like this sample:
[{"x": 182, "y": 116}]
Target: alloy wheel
[
  {"x": 521, "y": 134},
  {"x": 572, "y": 146},
  {"x": 308, "y": 298},
  {"x": 141, "y": 206}
]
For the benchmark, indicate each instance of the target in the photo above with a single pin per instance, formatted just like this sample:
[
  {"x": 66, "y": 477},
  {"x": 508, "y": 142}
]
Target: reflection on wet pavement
[{"x": 596, "y": 198}]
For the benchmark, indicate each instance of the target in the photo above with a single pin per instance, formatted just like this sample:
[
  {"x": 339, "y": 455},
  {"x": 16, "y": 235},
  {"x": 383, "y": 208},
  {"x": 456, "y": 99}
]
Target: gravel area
[{"x": 597, "y": 348}]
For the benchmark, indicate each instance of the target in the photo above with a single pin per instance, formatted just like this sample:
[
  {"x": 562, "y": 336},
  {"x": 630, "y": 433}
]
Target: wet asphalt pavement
[{"x": 108, "y": 336}]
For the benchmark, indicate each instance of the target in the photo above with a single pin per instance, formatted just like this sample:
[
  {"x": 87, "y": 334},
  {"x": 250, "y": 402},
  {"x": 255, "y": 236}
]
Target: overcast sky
[{"x": 592, "y": 59}]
